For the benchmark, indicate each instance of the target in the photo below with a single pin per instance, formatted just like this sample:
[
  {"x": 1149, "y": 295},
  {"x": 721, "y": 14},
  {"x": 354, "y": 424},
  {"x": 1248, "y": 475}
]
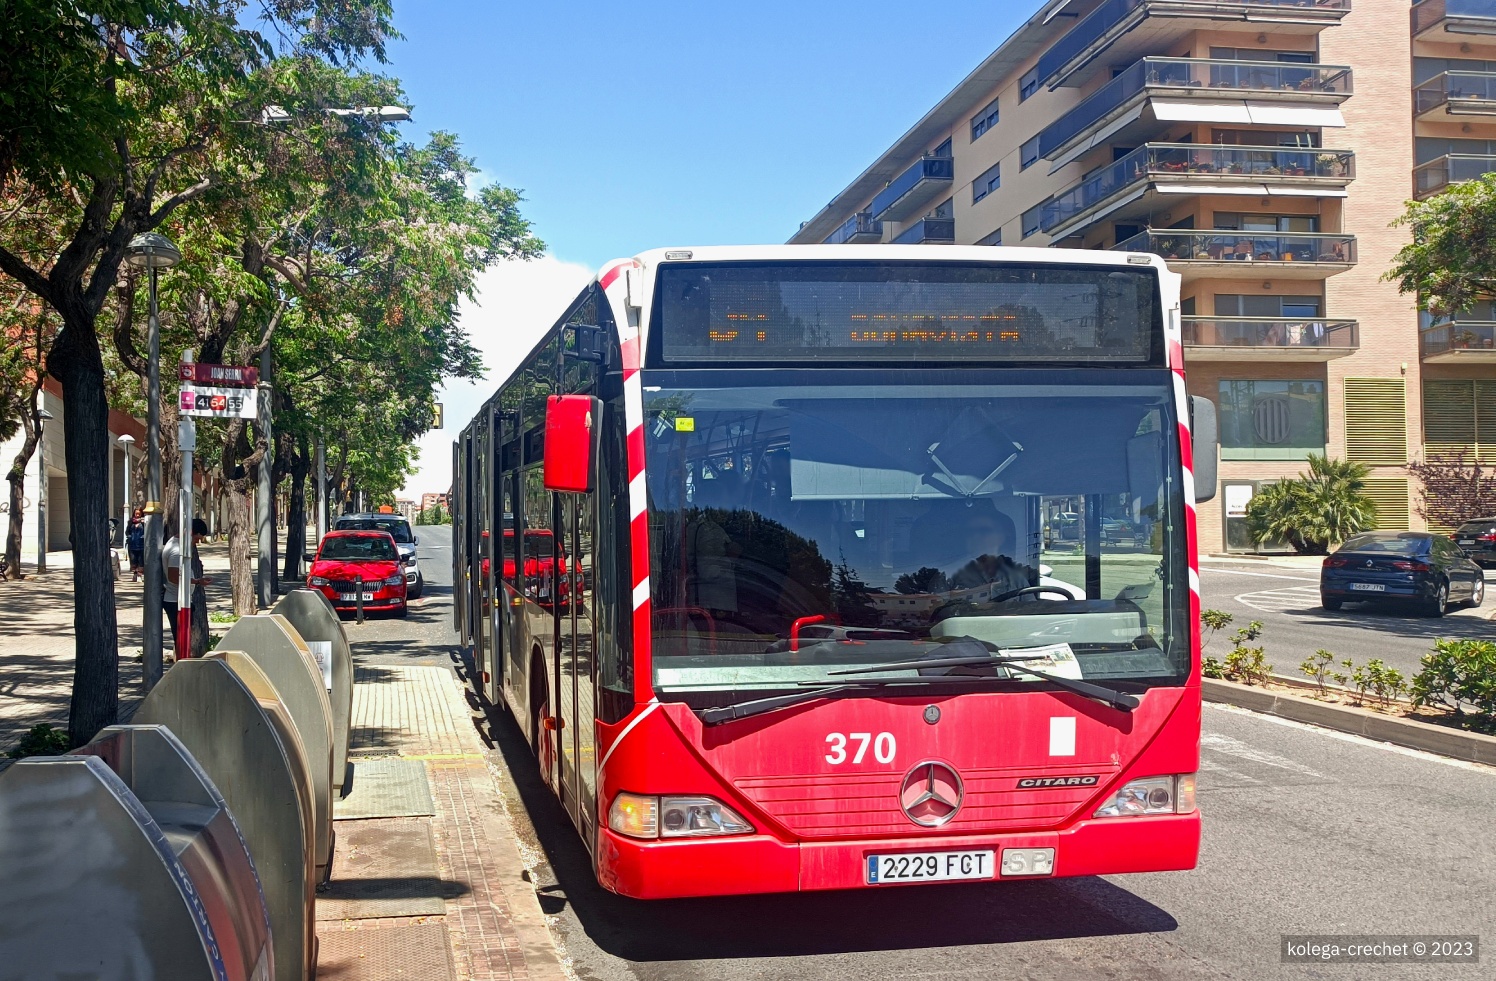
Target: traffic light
[{"x": 436, "y": 416}]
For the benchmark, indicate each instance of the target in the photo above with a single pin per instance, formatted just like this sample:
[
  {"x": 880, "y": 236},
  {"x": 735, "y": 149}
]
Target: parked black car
[
  {"x": 1477, "y": 539},
  {"x": 1406, "y": 566}
]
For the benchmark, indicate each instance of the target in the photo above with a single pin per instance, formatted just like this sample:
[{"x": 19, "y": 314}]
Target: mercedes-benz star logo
[{"x": 931, "y": 794}]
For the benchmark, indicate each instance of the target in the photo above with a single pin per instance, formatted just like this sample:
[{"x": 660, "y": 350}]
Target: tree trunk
[
  {"x": 301, "y": 465},
  {"x": 76, "y": 362},
  {"x": 241, "y": 542},
  {"x": 17, "y": 478}
]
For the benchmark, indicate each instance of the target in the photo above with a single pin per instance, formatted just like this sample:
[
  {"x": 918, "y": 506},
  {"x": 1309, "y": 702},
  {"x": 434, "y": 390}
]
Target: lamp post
[
  {"x": 42, "y": 415},
  {"x": 154, "y": 252},
  {"x": 125, "y": 442}
]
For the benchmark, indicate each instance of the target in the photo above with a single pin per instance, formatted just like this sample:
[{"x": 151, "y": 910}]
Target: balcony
[
  {"x": 1452, "y": 168},
  {"x": 1171, "y": 90},
  {"x": 914, "y": 189},
  {"x": 1465, "y": 341},
  {"x": 932, "y": 231},
  {"x": 1268, "y": 339},
  {"x": 859, "y": 228},
  {"x": 1133, "y": 185},
  {"x": 1453, "y": 20},
  {"x": 1220, "y": 253},
  {"x": 1457, "y": 94},
  {"x": 1114, "y": 29}
]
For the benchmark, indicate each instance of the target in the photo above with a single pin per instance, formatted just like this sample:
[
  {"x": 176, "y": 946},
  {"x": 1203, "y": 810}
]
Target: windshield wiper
[
  {"x": 1109, "y": 696},
  {"x": 758, "y": 706}
]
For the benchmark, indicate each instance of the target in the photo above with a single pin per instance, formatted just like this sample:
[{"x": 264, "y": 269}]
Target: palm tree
[{"x": 1315, "y": 511}]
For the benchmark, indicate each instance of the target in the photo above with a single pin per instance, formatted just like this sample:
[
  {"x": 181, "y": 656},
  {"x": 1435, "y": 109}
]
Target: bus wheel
[{"x": 540, "y": 737}]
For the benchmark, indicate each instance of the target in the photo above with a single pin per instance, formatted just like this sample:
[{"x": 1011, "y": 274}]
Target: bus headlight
[
  {"x": 694, "y": 816},
  {"x": 1152, "y": 795}
]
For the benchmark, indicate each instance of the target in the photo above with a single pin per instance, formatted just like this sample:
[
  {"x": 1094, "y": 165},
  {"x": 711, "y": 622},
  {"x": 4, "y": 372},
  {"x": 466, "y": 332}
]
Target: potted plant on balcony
[
  {"x": 1463, "y": 339},
  {"x": 1331, "y": 164}
]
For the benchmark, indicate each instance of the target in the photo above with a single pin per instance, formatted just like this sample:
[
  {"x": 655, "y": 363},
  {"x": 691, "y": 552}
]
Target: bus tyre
[
  {"x": 539, "y": 709},
  {"x": 1329, "y": 603}
]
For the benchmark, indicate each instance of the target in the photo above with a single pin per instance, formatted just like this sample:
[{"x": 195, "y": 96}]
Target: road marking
[
  {"x": 1210, "y": 766},
  {"x": 1278, "y": 600},
  {"x": 1245, "y": 751},
  {"x": 1347, "y": 737},
  {"x": 1262, "y": 575}
]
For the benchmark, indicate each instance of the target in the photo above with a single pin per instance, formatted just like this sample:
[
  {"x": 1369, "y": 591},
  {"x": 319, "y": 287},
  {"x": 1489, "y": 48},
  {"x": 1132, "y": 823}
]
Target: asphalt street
[
  {"x": 1286, "y": 600},
  {"x": 1306, "y": 832}
]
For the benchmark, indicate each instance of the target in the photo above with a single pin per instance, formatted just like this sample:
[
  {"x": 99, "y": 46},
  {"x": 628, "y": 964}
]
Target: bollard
[
  {"x": 128, "y": 839},
  {"x": 315, "y": 619},
  {"x": 358, "y": 596},
  {"x": 230, "y": 718},
  {"x": 273, "y": 644}
]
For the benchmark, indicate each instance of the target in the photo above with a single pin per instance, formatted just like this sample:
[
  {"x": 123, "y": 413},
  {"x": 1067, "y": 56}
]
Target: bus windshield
[{"x": 801, "y": 528}]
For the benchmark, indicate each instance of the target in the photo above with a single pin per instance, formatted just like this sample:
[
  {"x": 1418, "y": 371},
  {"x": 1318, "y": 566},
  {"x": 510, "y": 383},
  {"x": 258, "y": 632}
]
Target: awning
[
  {"x": 1086, "y": 218},
  {"x": 1260, "y": 190},
  {"x": 1199, "y": 111},
  {"x": 1294, "y": 115},
  {"x": 1099, "y": 137}
]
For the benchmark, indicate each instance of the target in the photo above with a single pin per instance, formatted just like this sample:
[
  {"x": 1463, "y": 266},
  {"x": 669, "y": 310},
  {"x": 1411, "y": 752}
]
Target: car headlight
[
  {"x": 1152, "y": 795},
  {"x": 317, "y": 581},
  {"x": 693, "y": 816},
  {"x": 394, "y": 580}
]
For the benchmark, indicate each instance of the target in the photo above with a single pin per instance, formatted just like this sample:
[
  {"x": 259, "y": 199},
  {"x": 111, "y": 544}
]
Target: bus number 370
[{"x": 884, "y": 747}]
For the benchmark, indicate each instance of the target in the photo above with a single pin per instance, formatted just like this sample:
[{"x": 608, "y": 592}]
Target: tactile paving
[
  {"x": 405, "y": 953},
  {"x": 385, "y": 789},
  {"x": 384, "y": 868}
]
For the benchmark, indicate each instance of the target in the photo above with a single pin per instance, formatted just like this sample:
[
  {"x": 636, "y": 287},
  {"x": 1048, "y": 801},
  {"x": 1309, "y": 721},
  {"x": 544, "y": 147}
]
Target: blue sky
[
  {"x": 636, "y": 126},
  {"x": 632, "y": 126}
]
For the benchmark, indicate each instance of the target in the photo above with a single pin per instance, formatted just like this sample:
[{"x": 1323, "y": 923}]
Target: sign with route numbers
[{"x": 218, "y": 403}]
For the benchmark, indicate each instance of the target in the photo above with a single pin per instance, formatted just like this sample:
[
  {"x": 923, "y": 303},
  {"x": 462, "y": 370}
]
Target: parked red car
[{"x": 346, "y": 556}]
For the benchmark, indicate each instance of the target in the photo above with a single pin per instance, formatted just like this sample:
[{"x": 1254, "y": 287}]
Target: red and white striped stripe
[{"x": 1187, "y": 460}]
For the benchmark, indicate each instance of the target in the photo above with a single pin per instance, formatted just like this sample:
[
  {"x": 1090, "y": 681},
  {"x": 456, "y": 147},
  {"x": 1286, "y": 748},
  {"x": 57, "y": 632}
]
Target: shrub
[
  {"x": 1458, "y": 674},
  {"x": 1318, "y": 667},
  {"x": 1212, "y": 622},
  {"x": 41, "y": 740},
  {"x": 1375, "y": 677},
  {"x": 1316, "y": 510},
  {"x": 223, "y": 616}
]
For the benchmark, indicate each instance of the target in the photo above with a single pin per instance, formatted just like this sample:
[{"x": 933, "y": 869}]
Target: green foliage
[
  {"x": 1244, "y": 663},
  {"x": 1212, "y": 622},
  {"x": 222, "y": 616},
  {"x": 923, "y": 580},
  {"x": 434, "y": 515},
  {"x": 1451, "y": 261},
  {"x": 1317, "y": 510},
  {"x": 1376, "y": 678},
  {"x": 1212, "y": 668},
  {"x": 1460, "y": 674},
  {"x": 1317, "y": 667},
  {"x": 41, "y": 740}
]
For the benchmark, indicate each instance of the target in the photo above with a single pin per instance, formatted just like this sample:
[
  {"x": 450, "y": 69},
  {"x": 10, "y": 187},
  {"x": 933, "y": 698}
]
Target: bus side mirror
[
  {"x": 1205, "y": 439},
  {"x": 570, "y": 424}
]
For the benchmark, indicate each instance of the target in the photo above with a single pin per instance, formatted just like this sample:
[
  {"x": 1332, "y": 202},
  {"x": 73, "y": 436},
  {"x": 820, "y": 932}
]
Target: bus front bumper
[{"x": 763, "y": 864}]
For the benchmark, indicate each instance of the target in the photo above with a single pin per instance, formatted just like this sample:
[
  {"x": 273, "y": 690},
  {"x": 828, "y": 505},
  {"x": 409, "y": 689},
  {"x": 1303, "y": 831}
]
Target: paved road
[
  {"x": 1306, "y": 832},
  {"x": 1295, "y": 625},
  {"x": 425, "y": 635}
]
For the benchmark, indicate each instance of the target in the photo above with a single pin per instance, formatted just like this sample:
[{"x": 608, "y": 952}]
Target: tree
[
  {"x": 1451, "y": 261},
  {"x": 1454, "y": 489},
  {"x": 21, "y": 378},
  {"x": 923, "y": 580},
  {"x": 1315, "y": 511},
  {"x": 142, "y": 107}
]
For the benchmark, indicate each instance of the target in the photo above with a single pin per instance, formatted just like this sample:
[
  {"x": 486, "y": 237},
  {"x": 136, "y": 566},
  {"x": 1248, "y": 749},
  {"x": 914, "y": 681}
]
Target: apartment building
[{"x": 1263, "y": 147}]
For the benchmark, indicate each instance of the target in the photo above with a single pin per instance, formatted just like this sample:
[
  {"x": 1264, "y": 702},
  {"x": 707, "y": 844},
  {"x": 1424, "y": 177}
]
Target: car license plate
[
  {"x": 1369, "y": 587},
  {"x": 1467, "y": 541},
  {"x": 353, "y": 597},
  {"x": 930, "y": 867}
]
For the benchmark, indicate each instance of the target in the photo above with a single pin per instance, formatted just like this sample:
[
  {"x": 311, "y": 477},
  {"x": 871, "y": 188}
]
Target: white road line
[
  {"x": 1245, "y": 751},
  {"x": 1278, "y": 600},
  {"x": 1210, "y": 766},
  {"x": 1346, "y": 737},
  {"x": 1260, "y": 575}
]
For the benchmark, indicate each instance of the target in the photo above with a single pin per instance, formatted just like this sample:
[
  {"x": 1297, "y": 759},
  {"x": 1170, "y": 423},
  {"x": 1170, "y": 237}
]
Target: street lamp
[
  {"x": 125, "y": 442},
  {"x": 42, "y": 415},
  {"x": 154, "y": 252}
]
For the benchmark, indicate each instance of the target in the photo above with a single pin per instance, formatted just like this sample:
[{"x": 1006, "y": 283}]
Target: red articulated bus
[{"x": 841, "y": 608}]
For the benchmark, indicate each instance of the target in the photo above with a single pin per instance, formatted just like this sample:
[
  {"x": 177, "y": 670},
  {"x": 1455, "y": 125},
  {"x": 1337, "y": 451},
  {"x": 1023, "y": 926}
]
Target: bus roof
[{"x": 883, "y": 253}]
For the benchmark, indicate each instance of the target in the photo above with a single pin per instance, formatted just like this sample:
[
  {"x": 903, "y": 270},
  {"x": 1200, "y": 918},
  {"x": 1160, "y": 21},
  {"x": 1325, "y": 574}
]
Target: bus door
[
  {"x": 477, "y": 507},
  {"x": 574, "y": 663},
  {"x": 459, "y": 560},
  {"x": 493, "y": 593}
]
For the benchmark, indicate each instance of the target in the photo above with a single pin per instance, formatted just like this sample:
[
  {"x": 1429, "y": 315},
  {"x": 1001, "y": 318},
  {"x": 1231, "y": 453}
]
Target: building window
[
  {"x": 1266, "y": 223},
  {"x": 1028, "y": 84},
  {"x": 984, "y": 120},
  {"x": 991, "y": 238},
  {"x": 1271, "y": 420},
  {"x": 1028, "y": 153},
  {"x": 1246, "y": 137},
  {"x": 1031, "y": 220},
  {"x": 1281, "y": 307},
  {"x": 945, "y": 209},
  {"x": 943, "y": 150},
  {"x": 989, "y": 181}
]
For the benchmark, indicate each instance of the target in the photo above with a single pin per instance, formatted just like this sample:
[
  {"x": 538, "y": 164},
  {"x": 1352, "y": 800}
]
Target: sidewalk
[{"x": 427, "y": 880}]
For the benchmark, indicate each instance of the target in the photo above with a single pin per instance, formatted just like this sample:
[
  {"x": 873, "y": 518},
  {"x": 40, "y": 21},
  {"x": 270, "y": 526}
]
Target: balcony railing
[
  {"x": 926, "y": 171},
  {"x": 1463, "y": 16},
  {"x": 1469, "y": 91},
  {"x": 1107, "y": 17},
  {"x": 1270, "y": 332},
  {"x": 1458, "y": 335},
  {"x": 1452, "y": 168},
  {"x": 1255, "y": 77},
  {"x": 861, "y": 227},
  {"x": 1207, "y": 161},
  {"x": 936, "y": 230},
  {"x": 1217, "y": 245}
]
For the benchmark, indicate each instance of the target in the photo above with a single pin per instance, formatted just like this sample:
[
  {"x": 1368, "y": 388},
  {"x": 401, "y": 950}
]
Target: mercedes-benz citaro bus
[{"x": 847, "y": 608}]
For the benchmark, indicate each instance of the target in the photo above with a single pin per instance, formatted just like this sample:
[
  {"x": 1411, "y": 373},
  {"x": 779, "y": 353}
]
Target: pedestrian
[
  {"x": 135, "y": 544},
  {"x": 171, "y": 565}
]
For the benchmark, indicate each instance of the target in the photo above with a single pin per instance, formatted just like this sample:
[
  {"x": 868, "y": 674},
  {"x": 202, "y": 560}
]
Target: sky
[{"x": 637, "y": 126}]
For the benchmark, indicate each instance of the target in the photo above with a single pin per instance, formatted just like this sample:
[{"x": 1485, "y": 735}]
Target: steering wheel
[{"x": 1029, "y": 591}]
